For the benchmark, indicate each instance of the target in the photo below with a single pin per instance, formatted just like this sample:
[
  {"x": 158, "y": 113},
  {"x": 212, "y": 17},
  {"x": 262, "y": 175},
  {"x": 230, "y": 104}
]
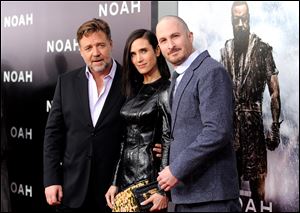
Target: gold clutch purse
[{"x": 130, "y": 198}]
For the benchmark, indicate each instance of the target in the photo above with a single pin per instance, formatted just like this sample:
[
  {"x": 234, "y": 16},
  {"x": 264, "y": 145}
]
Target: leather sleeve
[
  {"x": 115, "y": 177},
  {"x": 165, "y": 126}
]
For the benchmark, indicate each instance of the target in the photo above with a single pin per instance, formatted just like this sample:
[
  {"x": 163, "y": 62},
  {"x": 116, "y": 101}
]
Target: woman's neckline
[{"x": 152, "y": 82}]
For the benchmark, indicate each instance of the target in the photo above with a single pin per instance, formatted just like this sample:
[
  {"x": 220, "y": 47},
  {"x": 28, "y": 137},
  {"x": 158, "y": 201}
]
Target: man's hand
[
  {"x": 54, "y": 194},
  {"x": 166, "y": 180},
  {"x": 157, "y": 150},
  {"x": 273, "y": 139}
]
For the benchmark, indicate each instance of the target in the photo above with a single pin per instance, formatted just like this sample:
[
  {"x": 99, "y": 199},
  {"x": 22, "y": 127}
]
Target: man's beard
[
  {"x": 101, "y": 68},
  {"x": 241, "y": 38}
]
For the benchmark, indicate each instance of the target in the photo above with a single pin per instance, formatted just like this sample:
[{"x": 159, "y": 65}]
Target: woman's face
[{"x": 144, "y": 57}]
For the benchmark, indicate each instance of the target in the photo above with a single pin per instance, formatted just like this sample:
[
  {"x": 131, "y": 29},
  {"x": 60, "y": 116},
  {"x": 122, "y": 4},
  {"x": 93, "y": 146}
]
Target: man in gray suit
[{"x": 202, "y": 174}]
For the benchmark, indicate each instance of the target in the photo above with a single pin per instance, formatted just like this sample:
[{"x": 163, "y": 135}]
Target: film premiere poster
[{"x": 277, "y": 24}]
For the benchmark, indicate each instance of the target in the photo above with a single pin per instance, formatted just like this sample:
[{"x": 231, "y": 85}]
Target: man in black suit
[{"x": 83, "y": 130}]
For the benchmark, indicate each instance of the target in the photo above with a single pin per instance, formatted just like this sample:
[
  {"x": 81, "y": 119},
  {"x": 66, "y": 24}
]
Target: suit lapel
[
  {"x": 178, "y": 94},
  {"x": 187, "y": 77},
  {"x": 82, "y": 90},
  {"x": 113, "y": 95}
]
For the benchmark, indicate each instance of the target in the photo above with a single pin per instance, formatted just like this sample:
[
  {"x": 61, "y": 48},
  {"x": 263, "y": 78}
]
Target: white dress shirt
[
  {"x": 184, "y": 66},
  {"x": 96, "y": 101}
]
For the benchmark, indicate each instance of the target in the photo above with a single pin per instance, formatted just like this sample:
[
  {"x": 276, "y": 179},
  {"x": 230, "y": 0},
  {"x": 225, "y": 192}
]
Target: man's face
[
  {"x": 175, "y": 42},
  {"x": 240, "y": 22},
  {"x": 95, "y": 49}
]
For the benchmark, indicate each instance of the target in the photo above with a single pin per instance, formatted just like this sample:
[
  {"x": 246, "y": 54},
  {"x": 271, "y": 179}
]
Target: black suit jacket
[{"x": 75, "y": 152}]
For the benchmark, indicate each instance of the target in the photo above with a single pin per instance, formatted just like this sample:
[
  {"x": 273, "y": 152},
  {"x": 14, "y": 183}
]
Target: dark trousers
[{"x": 214, "y": 206}]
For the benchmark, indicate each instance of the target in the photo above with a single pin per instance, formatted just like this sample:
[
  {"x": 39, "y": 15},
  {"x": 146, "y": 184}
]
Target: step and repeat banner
[
  {"x": 38, "y": 42},
  {"x": 277, "y": 24}
]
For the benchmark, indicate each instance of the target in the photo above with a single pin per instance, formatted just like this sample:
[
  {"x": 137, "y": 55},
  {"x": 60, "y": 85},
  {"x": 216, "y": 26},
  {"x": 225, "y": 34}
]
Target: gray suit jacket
[{"x": 201, "y": 154}]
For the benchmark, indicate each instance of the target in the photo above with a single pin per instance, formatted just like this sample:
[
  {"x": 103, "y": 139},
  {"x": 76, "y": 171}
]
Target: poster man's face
[{"x": 240, "y": 22}]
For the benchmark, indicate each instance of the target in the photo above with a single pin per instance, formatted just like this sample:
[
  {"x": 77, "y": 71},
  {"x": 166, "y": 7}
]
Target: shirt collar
[
  {"x": 111, "y": 74},
  {"x": 183, "y": 67}
]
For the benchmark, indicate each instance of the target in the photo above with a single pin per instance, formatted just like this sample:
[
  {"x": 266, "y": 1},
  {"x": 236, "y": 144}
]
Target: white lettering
[
  {"x": 61, "y": 46},
  {"x": 119, "y": 8},
  {"x": 20, "y": 76},
  {"x": 14, "y": 21},
  {"x": 124, "y": 8},
  {"x": 50, "y": 46},
  {"x": 21, "y": 133},
  {"x": 29, "y": 19},
  {"x": 102, "y": 10},
  {"x": 114, "y": 9},
  {"x": 250, "y": 206},
  {"x": 17, "y": 21},
  {"x": 7, "y": 21},
  {"x": 48, "y": 105},
  {"x": 20, "y": 189},
  {"x": 28, "y": 191},
  {"x": 13, "y": 187},
  {"x": 68, "y": 46},
  {"x": 22, "y": 21},
  {"x": 268, "y": 208},
  {"x": 136, "y": 5}
]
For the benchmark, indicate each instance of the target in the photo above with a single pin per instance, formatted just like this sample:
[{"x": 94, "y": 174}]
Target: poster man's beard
[{"x": 241, "y": 38}]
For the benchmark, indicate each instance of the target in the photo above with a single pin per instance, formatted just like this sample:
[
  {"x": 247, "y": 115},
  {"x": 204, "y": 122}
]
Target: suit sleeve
[{"x": 54, "y": 140}]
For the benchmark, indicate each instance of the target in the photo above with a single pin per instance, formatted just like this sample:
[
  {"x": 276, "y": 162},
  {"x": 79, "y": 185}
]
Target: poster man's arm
[{"x": 273, "y": 139}]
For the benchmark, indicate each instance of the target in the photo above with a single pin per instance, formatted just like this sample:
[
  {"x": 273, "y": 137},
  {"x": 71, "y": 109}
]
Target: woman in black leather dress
[{"x": 147, "y": 116}]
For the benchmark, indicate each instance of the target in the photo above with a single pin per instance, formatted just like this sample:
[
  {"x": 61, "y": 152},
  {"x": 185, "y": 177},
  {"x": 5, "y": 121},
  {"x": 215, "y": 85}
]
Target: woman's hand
[
  {"x": 159, "y": 202},
  {"x": 110, "y": 196},
  {"x": 157, "y": 150}
]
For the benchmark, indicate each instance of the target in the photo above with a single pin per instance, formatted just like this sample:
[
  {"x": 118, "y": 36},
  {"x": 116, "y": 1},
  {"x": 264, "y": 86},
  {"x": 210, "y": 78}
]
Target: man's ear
[
  {"x": 157, "y": 51},
  {"x": 191, "y": 36}
]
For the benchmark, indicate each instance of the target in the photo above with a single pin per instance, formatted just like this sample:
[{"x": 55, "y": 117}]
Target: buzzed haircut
[{"x": 178, "y": 19}]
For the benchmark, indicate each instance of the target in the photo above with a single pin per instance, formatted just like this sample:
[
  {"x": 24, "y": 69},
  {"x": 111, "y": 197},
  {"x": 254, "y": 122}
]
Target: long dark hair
[{"x": 132, "y": 79}]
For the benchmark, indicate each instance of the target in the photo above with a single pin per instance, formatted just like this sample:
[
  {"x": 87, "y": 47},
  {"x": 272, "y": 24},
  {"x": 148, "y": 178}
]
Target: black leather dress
[{"x": 147, "y": 118}]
